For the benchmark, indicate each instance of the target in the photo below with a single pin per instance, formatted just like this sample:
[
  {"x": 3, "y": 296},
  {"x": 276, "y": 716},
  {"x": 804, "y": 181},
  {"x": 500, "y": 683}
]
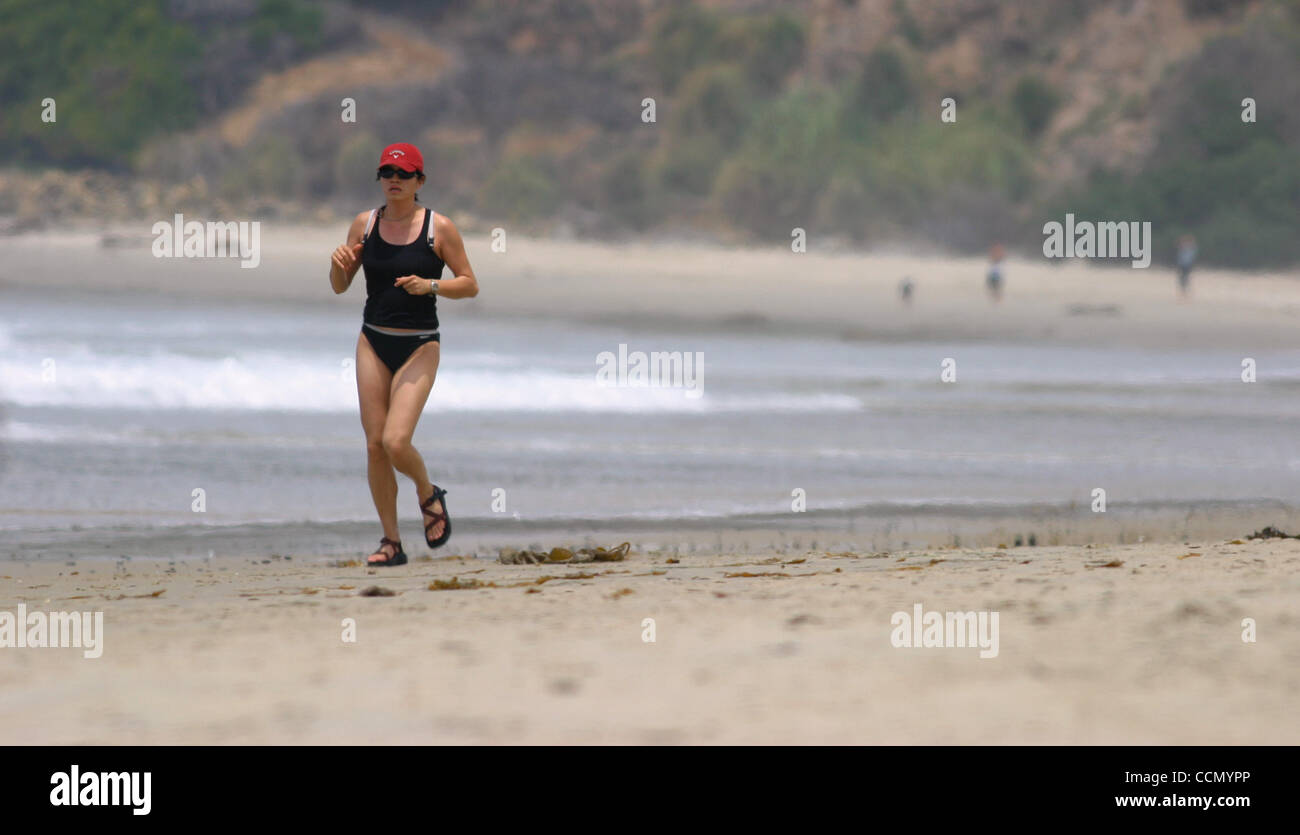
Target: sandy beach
[
  {"x": 1123, "y": 627},
  {"x": 1135, "y": 644},
  {"x": 769, "y": 290}
]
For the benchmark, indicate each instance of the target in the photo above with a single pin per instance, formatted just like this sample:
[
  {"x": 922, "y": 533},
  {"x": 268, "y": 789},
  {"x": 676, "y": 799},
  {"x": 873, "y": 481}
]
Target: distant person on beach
[
  {"x": 402, "y": 247},
  {"x": 1186, "y": 260},
  {"x": 905, "y": 290},
  {"x": 993, "y": 280}
]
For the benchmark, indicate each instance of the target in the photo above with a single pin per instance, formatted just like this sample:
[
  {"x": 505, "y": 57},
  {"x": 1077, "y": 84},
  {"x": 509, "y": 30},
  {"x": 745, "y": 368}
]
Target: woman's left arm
[{"x": 463, "y": 285}]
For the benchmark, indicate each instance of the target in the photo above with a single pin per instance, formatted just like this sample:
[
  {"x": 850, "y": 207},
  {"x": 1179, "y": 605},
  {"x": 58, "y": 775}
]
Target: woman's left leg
[{"x": 410, "y": 391}]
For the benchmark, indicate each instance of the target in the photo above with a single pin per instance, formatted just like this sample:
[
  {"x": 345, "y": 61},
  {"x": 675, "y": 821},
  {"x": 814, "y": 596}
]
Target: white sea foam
[{"x": 260, "y": 381}]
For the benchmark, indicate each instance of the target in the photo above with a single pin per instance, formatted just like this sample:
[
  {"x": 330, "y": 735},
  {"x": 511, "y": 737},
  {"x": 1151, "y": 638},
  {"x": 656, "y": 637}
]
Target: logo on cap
[{"x": 397, "y": 153}]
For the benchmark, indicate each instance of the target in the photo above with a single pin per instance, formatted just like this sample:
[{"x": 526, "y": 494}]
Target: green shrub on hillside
[
  {"x": 521, "y": 189},
  {"x": 117, "y": 70},
  {"x": 297, "y": 19},
  {"x": 907, "y": 173},
  {"x": 625, "y": 192},
  {"x": 1034, "y": 102},
  {"x": 763, "y": 47},
  {"x": 1234, "y": 185},
  {"x": 681, "y": 40},
  {"x": 766, "y": 48},
  {"x": 267, "y": 168},
  {"x": 687, "y": 165},
  {"x": 985, "y": 153},
  {"x": 1243, "y": 208},
  {"x": 709, "y": 114},
  {"x": 714, "y": 100},
  {"x": 883, "y": 90},
  {"x": 354, "y": 167},
  {"x": 1212, "y": 8},
  {"x": 123, "y": 72},
  {"x": 907, "y": 24},
  {"x": 772, "y": 182}
]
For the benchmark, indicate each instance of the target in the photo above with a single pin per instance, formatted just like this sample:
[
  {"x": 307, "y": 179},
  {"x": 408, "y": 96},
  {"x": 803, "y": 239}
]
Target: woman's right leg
[{"x": 373, "y": 383}]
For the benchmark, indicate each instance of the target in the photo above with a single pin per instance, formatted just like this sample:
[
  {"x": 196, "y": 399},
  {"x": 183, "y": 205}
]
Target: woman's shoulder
[
  {"x": 358, "y": 225},
  {"x": 359, "y": 221},
  {"x": 442, "y": 225}
]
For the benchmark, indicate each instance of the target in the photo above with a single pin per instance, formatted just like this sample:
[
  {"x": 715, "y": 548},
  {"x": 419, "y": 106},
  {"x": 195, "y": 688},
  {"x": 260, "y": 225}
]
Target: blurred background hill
[{"x": 822, "y": 114}]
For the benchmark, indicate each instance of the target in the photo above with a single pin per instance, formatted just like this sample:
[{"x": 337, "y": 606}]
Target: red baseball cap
[{"x": 402, "y": 155}]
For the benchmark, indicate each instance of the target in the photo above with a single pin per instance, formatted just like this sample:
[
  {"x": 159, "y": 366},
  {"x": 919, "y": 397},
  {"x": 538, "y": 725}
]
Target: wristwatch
[{"x": 433, "y": 286}]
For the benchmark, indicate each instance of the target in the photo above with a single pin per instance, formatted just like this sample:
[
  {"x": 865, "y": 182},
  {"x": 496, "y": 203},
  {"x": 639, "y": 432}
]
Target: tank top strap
[
  {"x": 370, "y": 224},
  {"x": 428, "y": 226}
]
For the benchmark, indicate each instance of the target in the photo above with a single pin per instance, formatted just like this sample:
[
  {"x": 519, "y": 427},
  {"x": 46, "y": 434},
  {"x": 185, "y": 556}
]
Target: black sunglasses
[{"x": 392, "y": 171}]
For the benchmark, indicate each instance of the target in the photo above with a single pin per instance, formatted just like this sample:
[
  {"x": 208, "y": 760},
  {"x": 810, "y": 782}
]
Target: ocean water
[{"x": 116, "y": 409}]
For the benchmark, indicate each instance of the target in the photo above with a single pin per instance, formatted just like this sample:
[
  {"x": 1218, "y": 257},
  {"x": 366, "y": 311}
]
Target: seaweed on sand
[
  {"x": 510, "y": 556},
  {"x": 1271, "y": 532},
  {"x": 455, "y": 583}
]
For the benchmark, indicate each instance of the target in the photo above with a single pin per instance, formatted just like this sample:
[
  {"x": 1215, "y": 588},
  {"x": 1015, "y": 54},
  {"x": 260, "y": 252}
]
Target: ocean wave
[{"x": 275, "y": 382}]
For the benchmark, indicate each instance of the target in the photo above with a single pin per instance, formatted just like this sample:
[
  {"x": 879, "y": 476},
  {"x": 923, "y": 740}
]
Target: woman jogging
[{"x": 403, "y": 247}]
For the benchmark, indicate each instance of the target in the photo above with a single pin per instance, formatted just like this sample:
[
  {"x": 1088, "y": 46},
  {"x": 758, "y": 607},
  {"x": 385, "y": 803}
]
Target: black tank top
[{"x": 388, "y": 305}]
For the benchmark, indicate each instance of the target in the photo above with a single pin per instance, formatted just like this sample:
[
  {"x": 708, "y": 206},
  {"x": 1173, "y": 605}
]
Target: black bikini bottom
[{"x": 394, "y": 349}]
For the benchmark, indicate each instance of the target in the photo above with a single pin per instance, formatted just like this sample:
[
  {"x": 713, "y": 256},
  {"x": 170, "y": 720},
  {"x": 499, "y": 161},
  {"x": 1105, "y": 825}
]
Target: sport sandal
[
  {"x": 432, "y": 517},
  {"x": 398, "y": 556}
]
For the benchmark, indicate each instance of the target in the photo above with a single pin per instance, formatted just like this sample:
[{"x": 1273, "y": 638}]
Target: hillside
[{"x": 822, "y": 114}]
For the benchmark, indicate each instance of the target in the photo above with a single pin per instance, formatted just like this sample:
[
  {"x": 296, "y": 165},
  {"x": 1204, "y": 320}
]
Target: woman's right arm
[{"x": 346, "y": 259}]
